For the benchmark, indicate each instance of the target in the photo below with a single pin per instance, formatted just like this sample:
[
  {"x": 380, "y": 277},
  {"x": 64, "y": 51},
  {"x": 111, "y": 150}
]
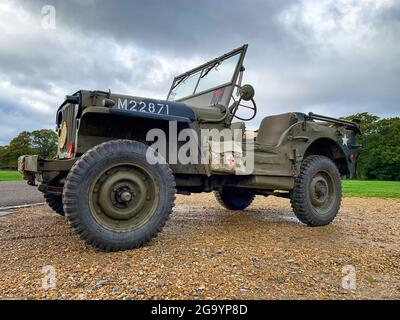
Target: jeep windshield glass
[
  {"x": 185, "y": 87},
  {"x": 212, "y": 76},
  {"x": 220, "y": 74}
]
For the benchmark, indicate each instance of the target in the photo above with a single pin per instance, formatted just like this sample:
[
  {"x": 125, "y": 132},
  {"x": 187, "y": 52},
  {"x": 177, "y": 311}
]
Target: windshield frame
[{"x": 241, "y": 51}]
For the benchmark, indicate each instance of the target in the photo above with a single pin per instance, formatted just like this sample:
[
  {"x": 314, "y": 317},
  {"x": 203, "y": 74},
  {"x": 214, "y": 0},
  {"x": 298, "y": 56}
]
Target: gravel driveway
[
  {"x": 18, "y": 193},
  {"x": 206, "y": 252}
]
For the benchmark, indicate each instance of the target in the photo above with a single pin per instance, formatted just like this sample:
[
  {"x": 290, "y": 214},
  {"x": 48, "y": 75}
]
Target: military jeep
[{"x": 116, "y": 183}]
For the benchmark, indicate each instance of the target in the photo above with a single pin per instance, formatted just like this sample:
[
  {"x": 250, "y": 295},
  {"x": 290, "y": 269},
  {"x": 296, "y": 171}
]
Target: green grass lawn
[
  {"x": 351, "y": 188},
  {"x": 10, "y": 176},
  {"x": 380, "y": 189}
]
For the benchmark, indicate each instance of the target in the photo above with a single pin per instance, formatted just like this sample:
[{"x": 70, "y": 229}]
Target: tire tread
[
  {"x": 299, "y": 193},
  {"x": 70, "y": 195},
  {"x": 55, "y": 203}
]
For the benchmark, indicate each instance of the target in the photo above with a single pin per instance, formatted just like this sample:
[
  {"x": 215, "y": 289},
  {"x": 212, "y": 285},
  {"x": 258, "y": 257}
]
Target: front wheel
[
  {"x": 317, "y": 193},
  {"x": 114, "y": 199},
  {"x": 55, "y": 203}
]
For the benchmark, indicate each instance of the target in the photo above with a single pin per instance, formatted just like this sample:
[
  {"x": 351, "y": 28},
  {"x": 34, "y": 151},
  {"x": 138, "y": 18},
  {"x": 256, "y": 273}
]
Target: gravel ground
[
  {"x": 18, "y": 193},
  {"x": 206, "y": 252}
]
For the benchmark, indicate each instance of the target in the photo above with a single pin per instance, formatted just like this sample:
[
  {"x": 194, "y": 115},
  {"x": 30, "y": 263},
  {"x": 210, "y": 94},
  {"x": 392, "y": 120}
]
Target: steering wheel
[{"x": 253, "y": 107}]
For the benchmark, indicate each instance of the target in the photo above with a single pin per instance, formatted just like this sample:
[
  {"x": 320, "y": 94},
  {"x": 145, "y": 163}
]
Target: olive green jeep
[{"x": 121, "y": 159}]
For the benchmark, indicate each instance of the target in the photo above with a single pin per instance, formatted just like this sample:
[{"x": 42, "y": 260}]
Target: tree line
[
  {"x": 379, "y": 156},
  {"x": 42, "y": 142}
]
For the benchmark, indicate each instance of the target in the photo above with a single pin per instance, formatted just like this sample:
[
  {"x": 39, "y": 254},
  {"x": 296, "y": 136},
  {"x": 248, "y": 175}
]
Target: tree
[
  {"x": 3, "y": 155},
  {"x": 380, "y": 153},
  {"x": 368, "y": 122},
  {"x": 20, "y": 145},
  {"x": 42, "y": 142}
]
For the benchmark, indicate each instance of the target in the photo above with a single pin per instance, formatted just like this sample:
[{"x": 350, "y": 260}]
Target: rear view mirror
[{"x": 247, "y": 92}]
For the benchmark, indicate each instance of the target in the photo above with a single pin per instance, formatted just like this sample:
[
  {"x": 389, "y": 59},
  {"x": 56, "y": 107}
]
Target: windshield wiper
[
  {"x": 216, "y": 64},
  {"x": 180, "y": 81}
]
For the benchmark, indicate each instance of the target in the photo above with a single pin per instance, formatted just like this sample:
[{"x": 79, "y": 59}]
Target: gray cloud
[
  {"x": 332, "y": 57},
  {"x": 179, "y": 27}
]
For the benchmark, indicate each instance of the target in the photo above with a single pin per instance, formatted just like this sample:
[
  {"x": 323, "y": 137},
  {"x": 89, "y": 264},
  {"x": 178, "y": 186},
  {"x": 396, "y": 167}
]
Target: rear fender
[{"x": 335, "y": 151}]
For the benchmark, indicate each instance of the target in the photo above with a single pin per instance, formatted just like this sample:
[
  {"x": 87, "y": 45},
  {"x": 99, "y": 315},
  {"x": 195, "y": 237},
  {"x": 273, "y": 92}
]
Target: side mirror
[{"x": 247, "y": 92}]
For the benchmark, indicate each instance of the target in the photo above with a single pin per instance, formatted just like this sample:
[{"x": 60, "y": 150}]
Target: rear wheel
[
  {"x": 114, "y": 199},
  {"x": 317, "y": 194},
  {"x": 55, "y": 203},
  {"x": 234, "y": 198}
]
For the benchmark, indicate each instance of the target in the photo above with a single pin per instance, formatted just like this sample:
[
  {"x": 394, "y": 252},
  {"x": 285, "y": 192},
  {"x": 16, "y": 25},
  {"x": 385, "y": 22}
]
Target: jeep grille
[{"x": 67, "y": 118}]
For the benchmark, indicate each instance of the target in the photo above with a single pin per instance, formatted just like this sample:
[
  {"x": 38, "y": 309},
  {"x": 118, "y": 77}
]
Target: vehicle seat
[{"x": 272, "y": 128}]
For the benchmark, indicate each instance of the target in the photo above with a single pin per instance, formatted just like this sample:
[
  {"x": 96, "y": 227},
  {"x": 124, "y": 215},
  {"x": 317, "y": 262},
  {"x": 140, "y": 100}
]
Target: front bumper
[
  {"x": 34, "y": 168},
  {"x": 27, "y": 166}
]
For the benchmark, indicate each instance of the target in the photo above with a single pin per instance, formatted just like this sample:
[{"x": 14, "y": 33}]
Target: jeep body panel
[{"x": 89, "y": 118}]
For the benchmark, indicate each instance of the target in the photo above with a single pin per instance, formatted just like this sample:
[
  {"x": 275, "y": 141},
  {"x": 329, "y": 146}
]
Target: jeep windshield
[{"x": 213, "y": 77}]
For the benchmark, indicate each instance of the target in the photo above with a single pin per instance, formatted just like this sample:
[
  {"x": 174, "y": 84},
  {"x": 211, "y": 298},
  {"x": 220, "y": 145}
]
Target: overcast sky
[{"x": 332, "y": 57}]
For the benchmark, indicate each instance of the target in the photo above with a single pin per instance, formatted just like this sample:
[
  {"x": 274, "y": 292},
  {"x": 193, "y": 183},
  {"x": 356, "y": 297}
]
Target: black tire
[
  {"x": 55, "y": 203},
  {"x": 234, "y": 198},
  {"x": 317, "y": 194},
  {"x": 107, "y": 163}
]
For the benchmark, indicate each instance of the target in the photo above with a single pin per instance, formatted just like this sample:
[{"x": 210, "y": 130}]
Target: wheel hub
[
  {"x": 124, "y": 197},
  {"x": 320, "y": 191}
]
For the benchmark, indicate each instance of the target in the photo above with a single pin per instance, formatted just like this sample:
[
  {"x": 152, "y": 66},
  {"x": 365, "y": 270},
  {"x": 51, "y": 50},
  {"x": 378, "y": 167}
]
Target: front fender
[{"x": 98, "y": 125}]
